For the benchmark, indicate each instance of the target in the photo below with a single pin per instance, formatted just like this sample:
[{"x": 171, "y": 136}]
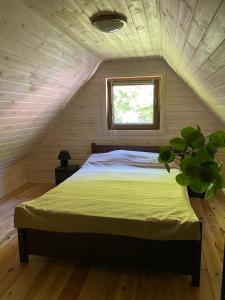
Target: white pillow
[{"x": 124, "y": 156}]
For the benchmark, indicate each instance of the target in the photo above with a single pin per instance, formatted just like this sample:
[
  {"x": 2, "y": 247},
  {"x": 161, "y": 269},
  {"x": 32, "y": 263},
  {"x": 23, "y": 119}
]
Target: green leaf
[
  {"x": 211, "y": 192},
  {"x": 203, "y": 155},
  {"x": 166, "y": 155},
  {"x": 179, "y": 144},
  {"x": 199, "y": 186},
  {"x": 199, "y": 169},
  {"x": 219, "y": 182},
  {"x": 196, "y": 140},
  {"x": 211, "y": 148},
  {"x": 189, "y": 166},
  {"x": 182, "y": 179},
  {"x": 209, "y": 171},
  {"x": 185, "y": 132},
  {"x": 217, "y": 138}
]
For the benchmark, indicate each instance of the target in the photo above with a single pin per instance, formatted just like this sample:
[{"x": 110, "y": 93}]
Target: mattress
[{"x": 118, "y": 199}]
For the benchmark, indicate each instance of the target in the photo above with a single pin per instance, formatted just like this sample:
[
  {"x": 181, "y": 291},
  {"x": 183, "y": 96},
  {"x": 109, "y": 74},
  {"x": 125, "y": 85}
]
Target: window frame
[{"x": 156, "y": 104}]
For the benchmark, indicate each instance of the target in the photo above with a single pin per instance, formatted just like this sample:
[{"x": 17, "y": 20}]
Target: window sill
[{"x": 122, "y": 132}]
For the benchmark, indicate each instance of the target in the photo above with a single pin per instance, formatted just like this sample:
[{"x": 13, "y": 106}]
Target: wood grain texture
[
  {"x": 49, "y": 49},
  {"x": 40, "y": 69},
  {"x": 84, "y": 120},
  {"x": 185, "y": 32},
  {"x": 55, "y": 279},
  {"x": 12, "y": 177}
]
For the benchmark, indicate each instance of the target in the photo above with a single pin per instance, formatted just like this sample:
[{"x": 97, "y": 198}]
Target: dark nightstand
[{"x": 62, "y": 173}]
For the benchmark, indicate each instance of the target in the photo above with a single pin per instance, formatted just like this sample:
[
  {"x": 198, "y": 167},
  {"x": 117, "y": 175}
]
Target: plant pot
[{"x": 194, "y": 194}]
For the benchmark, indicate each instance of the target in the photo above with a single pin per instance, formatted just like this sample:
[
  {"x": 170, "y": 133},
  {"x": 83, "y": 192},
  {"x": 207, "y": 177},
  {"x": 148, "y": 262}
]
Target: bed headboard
[{"x": 106, "y": 148}]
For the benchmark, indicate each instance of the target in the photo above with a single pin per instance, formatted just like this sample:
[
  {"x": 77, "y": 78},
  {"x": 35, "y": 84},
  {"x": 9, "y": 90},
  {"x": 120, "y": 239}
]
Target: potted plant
[{"x": 200, "y": 170}]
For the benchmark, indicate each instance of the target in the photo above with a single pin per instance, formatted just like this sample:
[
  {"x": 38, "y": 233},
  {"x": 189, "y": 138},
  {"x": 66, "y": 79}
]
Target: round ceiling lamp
[{"x": 109, "y": 22}]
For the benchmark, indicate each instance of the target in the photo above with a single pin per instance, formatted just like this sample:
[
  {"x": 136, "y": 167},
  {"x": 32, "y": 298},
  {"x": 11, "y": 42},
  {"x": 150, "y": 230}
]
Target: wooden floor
[{"x": 51, "y": 279}]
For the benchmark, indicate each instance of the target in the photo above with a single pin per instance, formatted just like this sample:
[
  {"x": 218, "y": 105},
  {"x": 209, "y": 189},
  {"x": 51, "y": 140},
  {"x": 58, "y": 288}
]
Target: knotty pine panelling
[
  {"x": 12, "y": 177},
  {"x": 40, "y": 69},
  {"x": 84, "y": 118},
  {"x": 188, "y": 34},
  {"x": 194, "y": 47},
  {"x": 48, "y": 49}
]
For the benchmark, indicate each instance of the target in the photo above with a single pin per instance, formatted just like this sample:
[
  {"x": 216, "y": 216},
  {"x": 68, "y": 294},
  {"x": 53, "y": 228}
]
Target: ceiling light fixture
[{"x": 109, "y": 22}]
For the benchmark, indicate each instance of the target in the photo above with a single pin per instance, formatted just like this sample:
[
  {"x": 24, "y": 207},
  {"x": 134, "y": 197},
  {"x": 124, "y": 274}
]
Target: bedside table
[{"x": 62, "y": 173}]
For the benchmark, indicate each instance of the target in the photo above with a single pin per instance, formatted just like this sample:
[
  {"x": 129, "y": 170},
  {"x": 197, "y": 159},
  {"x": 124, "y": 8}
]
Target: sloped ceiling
[
  {"x": 40, "y": 69},
  {"x": 48, "y": 49}
]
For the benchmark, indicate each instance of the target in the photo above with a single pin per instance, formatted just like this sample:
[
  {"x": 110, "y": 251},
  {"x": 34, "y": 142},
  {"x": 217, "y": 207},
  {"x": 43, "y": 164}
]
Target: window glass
[{"x": 133, "y": 103}]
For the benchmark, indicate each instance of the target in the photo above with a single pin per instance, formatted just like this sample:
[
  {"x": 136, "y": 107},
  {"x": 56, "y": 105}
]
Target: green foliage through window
[{"x": 133, "y": 104}]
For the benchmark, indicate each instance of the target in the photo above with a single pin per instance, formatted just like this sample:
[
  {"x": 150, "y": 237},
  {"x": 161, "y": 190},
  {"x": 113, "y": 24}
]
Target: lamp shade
[
  {"x": 109, "y": 23},
  {"x": 64, "y": 156}
]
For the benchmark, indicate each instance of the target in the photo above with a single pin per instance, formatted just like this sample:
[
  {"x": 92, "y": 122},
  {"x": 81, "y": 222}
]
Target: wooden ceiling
[
  {"x": 188, "y": 34},
  {"x": 48, "y": 49},
  {"x": 40, "y": 69}
]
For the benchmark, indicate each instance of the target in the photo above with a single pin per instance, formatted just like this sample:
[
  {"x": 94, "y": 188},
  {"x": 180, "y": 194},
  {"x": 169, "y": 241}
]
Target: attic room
[{"x": 112, "y": 133}]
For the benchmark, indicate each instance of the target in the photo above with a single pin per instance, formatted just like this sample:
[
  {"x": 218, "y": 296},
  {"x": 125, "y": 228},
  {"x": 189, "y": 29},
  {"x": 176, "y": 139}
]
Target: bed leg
[
  {"x": 195, "y": 279},
  {"x": 24, "y": 257},
  {"x": 197, "y": 265},
  {"x": 197, "y": 261}
]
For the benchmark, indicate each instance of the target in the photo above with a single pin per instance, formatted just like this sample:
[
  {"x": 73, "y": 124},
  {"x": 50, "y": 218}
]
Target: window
[{"x": 133, "y": 103}]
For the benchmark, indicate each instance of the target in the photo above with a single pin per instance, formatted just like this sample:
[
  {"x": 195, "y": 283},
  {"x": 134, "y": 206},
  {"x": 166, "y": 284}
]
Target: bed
[{"x": 119, "y": 208}]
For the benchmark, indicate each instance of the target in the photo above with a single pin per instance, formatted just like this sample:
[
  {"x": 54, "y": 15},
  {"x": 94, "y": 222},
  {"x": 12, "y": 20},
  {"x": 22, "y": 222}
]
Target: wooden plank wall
[
  {"x": 187, "y": 33},
  {"x": 48, "y": 49},
  {"x": 195, "y": 47},
  {"x": 12, "y": 177},
  {"x": 40, "y": 70},
  {"x": 84, "y": 118}
]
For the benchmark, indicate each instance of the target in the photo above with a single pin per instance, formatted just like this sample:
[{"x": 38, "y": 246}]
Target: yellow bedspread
[{"x": 121, "y": 200}]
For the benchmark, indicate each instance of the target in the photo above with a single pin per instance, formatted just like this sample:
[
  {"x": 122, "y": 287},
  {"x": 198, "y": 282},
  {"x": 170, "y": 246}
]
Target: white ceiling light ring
[{"x": 109, "y": 23}]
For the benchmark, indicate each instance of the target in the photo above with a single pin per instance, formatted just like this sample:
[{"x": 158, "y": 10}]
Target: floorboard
[{"x": 51, "y": 279}]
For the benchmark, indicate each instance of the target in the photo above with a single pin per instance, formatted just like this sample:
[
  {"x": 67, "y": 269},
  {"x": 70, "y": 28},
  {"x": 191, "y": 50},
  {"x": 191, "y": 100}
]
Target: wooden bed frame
[{"x": 179, "y": 256}]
